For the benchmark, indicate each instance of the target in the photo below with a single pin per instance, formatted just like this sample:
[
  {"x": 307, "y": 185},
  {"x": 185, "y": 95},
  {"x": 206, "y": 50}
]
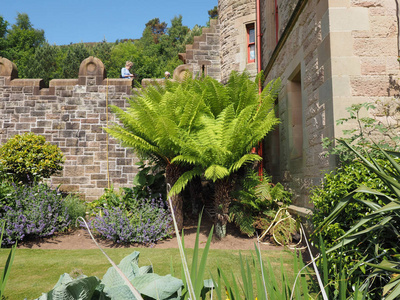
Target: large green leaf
[
  {"x": 142, "y": 278},
  {"x": 158, "y": 287},
  {"x": 67, "y": 288}
]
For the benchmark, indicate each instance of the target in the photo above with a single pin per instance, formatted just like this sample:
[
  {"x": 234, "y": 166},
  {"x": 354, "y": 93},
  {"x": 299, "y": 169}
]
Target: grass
[{"x": 37, "y": 271}]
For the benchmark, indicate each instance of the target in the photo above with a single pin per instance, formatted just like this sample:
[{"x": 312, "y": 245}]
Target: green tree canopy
[
  {"x": 157, "y": 29},
  {"x": 22, "y": 39}
]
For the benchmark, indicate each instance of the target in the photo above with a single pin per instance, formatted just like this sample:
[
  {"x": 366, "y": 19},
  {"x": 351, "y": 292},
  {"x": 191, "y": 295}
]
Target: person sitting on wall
[{"x": 125, "y": 71}]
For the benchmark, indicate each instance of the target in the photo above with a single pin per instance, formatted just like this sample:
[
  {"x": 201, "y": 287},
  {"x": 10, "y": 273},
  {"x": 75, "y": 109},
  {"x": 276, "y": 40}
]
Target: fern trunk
[
  {"x": 172, "y": 173},
  {"x": 223, "y": 188},
  {"x": 196, "y": 196}
]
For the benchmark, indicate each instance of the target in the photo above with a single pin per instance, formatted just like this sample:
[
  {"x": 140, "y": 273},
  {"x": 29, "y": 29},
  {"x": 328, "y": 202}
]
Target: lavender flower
[
  {"x": 36, "y": 211},
  {"x": 146, "y": 221}
]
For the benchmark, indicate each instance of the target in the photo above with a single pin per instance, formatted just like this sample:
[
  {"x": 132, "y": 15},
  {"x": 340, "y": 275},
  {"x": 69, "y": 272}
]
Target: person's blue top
[{"x": 125, "y": 73}]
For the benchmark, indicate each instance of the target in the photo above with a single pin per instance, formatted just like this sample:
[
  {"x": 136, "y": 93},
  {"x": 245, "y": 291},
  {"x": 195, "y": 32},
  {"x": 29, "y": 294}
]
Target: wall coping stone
[
  {"x": 27, "y": 82},
  {"x": 118, "y": 81},
  {"x": 63, "y": 82}
]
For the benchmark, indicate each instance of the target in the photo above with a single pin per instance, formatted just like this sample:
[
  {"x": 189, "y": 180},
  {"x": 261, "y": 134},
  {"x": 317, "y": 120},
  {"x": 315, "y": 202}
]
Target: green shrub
[
  {"x": 149, "y": 182},
  {"x": 28, "y": 157},
  {"x": 369, "y": 249},
  {"x": 255, "y": 202},
  {"x": 75, "y": 206},
  {"x": 337, "y": 184},
  {"x": 381, "y": 127}
]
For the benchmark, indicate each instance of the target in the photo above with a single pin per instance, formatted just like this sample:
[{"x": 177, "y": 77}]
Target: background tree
[
  {"x": 156, "y": 29},
  {"x": 213, "y": 13},
  {"x": 103, "y": 52},
  {"x": 44, "y": 63},
  {"x": 22, "y": 39},
  {"x": 3, "y": 30},
  {"x": 74, "y": 56}
]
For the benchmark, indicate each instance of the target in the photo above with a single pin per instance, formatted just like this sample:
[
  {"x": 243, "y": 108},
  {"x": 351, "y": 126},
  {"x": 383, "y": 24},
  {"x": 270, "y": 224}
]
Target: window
[
  {"x": 251, "y": 43},
  {"x": 295, "y": 116}
]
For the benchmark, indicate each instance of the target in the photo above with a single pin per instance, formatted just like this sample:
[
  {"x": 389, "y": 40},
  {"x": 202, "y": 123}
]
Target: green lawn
[{"x": 37, "y": 271}]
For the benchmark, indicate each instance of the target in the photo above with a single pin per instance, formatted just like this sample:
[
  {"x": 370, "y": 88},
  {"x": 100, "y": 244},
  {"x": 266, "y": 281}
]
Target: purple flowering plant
[
  {"x": 33, "y": 211},
  {"x": 134, "y": 221}
]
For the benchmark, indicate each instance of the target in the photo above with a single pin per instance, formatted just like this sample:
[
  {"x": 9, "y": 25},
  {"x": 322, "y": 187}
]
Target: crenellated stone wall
[{"x": 71, "y": 113}]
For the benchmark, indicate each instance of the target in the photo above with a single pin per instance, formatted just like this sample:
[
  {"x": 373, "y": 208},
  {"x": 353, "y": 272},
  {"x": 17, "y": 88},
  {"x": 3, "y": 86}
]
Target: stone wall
[
  {"x": 336, "y": 53},
  {"x": 203, "y": 56},
  {"x": 233, "y": 17},
  {"x": 71, "y": 113}
]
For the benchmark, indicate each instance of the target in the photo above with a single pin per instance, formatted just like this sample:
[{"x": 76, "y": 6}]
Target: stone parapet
[
  {"x": 63, "y": 82},
  {"x": 71, "y": 116}
]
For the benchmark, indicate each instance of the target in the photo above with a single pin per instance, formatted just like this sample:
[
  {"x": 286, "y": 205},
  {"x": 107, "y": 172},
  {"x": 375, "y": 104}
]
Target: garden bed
[{"x": 80, "y": 239}]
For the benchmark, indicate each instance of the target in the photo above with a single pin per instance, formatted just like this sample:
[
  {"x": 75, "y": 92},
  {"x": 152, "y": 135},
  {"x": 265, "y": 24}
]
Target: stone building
[{"x": 329, "y": 54}]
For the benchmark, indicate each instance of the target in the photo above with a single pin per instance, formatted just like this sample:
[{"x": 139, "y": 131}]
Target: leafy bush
[
  {"x": 75, "y": 206},
  {"x": 337, "y": 184},
  {"x": 149, "y": 182},
  {"x": 374, "y": 235},
  {"x": 33, "y": 211},
  {"x": 140, "y": 221},
  {"x": 256, "y": 202},
  {"x": 28, "y": 157},
  {"x": 341, "y": 189},
  {"x": 109, "y": 199},
  {"x": 381, "y": 127}
]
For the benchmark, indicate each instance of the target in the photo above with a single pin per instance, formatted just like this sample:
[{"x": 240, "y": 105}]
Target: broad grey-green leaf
[
  {"x": 69, "y": 289},
  {"x": 128, "y": 265},
  {"x": 156, "y": 286}
]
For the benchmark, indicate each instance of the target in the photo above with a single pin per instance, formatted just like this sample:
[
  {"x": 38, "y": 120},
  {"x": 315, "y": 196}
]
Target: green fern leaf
[
  {"x": 215, "y": 172},
  {"x": 183, "y": 180}
]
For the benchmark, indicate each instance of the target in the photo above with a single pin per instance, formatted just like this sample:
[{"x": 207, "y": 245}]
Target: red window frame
[{"x": 250, "y": 27}]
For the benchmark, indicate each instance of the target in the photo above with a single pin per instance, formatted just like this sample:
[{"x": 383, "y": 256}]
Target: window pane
[
  {"x": 252, "y": 52},
  {"x": 252, "y": 37}
]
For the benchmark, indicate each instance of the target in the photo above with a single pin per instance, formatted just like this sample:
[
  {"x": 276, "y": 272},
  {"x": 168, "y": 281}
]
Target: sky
[{"x": 74, "y": 21}]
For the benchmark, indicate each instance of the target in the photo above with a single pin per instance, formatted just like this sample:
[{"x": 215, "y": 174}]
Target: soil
[{"x": 80, "y": 239}]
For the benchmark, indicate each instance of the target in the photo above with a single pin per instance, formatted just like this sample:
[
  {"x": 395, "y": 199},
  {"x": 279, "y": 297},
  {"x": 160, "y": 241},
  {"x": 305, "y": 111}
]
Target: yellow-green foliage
[{"x": 29, "y": 157}]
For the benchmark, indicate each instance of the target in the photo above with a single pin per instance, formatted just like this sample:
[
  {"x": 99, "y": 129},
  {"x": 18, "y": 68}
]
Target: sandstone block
[{"x": 73, "y": 171}]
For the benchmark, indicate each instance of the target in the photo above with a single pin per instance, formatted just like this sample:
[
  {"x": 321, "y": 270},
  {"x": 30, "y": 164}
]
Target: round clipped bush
[{"x": 28, "y": 157}]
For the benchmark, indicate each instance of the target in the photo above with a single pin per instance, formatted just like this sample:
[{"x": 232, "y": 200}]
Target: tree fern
[{"x": 200, "y": 125}]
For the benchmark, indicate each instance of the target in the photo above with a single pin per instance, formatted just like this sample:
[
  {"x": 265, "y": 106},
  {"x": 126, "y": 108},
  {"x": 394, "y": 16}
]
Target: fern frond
[
  {"x": 215, "y": 96},
  {"x": 225, "y": 126},
  {"x": 183, "y": 181},
  {"x": 215, "y": 172},
  {"x": 247, "y": 158},
  {"x": 248, "y": 95},
  {"x": 193, "y": 160},
  {"x": 133, "y": 141},
  {"x": 243, "y": 220},
  {"x": 190, "y": 111}
]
